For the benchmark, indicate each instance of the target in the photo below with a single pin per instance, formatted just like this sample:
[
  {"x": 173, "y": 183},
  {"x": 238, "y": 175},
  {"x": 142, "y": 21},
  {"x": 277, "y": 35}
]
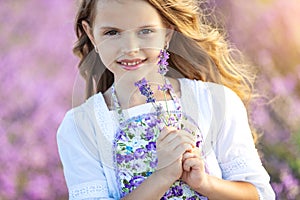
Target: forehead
[{"x": 126, "y": 14}]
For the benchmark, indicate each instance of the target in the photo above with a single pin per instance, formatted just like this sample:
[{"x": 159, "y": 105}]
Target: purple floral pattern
[{"x": 135, "y": 151}]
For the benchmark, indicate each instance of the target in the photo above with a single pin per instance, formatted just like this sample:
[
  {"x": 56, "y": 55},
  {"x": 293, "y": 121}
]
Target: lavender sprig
[
  {"x": 163, "y": 63},
  {"x": 145, "y": 90},
  {"x": 163, "y": 69},
  {"x": 165, "y": 87}
]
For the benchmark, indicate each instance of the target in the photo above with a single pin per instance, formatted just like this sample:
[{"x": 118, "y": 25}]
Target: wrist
[
  {"x": 206, "y": 185},
  {"x": 163, "y": 178}
]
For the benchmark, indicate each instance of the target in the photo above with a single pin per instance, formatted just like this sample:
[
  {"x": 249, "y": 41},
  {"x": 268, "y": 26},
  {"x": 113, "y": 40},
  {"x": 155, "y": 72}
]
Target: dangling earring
[
  {"x": 96, "y": 49},
  {"x": 163, "y": 63},
  {"x": 167, "y": 46}
]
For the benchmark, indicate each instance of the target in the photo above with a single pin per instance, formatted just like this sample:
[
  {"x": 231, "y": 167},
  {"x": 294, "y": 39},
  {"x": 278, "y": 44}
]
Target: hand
[
  {"x": 171, "y": 145},
  {"x": 194, "y": 170}
]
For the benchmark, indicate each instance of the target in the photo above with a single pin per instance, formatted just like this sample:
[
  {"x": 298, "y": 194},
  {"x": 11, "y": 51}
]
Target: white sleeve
[
  {"x": 83, "y": 171},
  {"x": 235, "y": 149}
]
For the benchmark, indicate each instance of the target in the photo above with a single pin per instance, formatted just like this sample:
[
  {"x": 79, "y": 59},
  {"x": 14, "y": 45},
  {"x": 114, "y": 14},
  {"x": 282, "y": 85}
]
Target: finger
[
  {"x": 193, "y": 163},
  {"x": 174, "y": 137},
  {"x": 165, "y": 132},
  {"x": 182, "y": 148},
  {"x": 167, "y": 156},
  {"x": 187, "y": 155},
  {"x": 165, "y": 163},
  {"x": 168, "y": 134},
  {"x": 184, "y": 138},
  {"x": 173, "y": 141},
  {"x": 197, "y": 152},
  {"x": 186, "y": 133}
]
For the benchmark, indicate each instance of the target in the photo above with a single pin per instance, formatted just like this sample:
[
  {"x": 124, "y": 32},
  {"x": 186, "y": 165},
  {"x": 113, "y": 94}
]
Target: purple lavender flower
[
  {"x": 163, "y": 63},
  {"x": 136, "y": 181},
  {"x": 145, "y": 90},
  {"x": 147, "y": 118},
  {"x": 151, "y": 122},
  {"x": 172, "y": 121},
  {"x": 151, "y": 146},
  {"x": 140, "y": 153},
  {"x": 177, "y": 191},
  {"x": 165, "y": 87},
  {"x": 153, "y": 164},
  {"x": 132, "y": 125},
  {"x": 128, "y": 158},
  {"x": 128, "y": 186},
  {"x": 149, "y": 133},
  {"x": 167, "y": 194},
  {"x": 122, "y": 136},
  {"x": 119, "y": 158},
  {"x": 159, "y": 109}
]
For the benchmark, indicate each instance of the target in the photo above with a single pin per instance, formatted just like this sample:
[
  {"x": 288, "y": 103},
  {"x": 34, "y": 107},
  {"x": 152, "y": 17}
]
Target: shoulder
[
  {"x": 88, "y": 106},
  {"x": 217, "y": 93},
  {"x": 78, "y": 128},
  {"x": 80, "y": 117},
  {"x": 214, "y": 100},
  {"x": 226, "y": 104}
]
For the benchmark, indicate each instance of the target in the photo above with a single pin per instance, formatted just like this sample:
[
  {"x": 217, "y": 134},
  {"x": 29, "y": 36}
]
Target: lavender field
[{"x": 39, "y": 73}]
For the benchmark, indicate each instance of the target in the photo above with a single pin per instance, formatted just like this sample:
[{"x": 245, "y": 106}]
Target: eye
[
  {"x": 146, "y": 31},
  {"x": 111, "y": 33}
]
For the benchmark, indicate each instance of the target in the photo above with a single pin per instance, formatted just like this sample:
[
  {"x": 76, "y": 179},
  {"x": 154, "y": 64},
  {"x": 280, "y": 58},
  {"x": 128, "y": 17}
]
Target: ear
[{"x": 88, "y": 31}]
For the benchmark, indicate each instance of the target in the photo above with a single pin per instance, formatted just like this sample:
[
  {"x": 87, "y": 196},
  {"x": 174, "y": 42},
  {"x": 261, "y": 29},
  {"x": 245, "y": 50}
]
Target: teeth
[{"x": 130, "y": 64}]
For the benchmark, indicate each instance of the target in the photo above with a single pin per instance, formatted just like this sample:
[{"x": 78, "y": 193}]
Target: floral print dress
[{"x": 135, "y": 149}]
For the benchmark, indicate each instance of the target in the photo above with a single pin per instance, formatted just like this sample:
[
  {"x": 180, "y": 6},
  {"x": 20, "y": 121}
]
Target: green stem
[{"x": 165, "y": 96}]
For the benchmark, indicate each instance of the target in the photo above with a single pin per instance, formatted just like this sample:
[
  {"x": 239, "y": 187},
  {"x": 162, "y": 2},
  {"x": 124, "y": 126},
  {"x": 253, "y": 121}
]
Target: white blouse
[{"x": 85, "y": 139}]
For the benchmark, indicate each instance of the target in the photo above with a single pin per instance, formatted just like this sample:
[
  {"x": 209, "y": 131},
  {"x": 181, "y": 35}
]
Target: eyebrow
[{"x": 111, "y": 27}]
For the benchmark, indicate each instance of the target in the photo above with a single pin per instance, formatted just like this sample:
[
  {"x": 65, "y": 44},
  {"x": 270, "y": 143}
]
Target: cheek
[
  {"x": 153, "y": 55},
  {"x": 106, "y": 57},
  {"x": 155, "y": 43},
  {"x": 107, "y": 53}
]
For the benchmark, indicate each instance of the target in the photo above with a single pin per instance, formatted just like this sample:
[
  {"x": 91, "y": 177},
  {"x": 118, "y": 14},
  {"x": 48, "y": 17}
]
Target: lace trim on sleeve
[
  {"x": 260, "y": 197},
  {"x": 102, "y": 114},
  {"x": 244, "y": 169},
  {"x": 233, "y": 167},
  {"x": 88, "y": 190}
]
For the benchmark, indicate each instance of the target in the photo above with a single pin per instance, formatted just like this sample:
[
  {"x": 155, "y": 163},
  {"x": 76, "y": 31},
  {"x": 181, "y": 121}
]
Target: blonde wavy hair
[{"x": 198, "y": 50}]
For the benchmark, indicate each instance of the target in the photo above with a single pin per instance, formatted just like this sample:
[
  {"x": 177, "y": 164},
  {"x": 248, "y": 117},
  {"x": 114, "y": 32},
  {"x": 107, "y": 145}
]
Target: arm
[
  {"x": 224, "y": 189},
  {"x": 154, "y": 187},
  {"x": 212, "y": 187},
  {"x": 83, "y": 171},
  {"x": 235, "y": 149},
  {"x": 243, "y": 175}
]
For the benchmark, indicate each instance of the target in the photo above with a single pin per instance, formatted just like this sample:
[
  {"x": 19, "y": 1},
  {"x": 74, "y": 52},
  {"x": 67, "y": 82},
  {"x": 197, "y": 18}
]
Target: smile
[{"x": 131, "y": 64}]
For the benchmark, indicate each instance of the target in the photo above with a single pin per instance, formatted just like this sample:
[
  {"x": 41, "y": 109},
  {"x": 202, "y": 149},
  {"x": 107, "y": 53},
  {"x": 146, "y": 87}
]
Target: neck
[{"x": 129, "y": 95}]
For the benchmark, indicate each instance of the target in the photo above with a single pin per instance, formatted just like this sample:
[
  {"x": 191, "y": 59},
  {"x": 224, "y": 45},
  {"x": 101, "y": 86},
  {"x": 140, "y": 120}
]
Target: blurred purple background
[{"x": 38, "y": 74}]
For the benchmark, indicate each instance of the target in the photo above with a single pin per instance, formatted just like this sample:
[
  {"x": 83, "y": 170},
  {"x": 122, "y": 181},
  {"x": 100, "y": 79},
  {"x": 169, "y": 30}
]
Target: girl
[{"x": 189, "y": 138}]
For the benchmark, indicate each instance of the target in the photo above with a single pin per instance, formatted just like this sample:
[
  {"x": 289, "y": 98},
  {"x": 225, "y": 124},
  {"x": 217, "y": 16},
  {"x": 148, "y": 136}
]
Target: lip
[{"x": 131, "y": 64}]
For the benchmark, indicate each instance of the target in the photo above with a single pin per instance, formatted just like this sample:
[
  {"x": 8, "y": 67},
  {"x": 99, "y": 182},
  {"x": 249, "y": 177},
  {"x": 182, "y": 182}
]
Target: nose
[{"x": 130, "y": 44}]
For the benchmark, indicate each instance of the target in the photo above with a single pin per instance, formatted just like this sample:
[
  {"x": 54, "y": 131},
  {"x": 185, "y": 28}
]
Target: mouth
[{"x": 131, "y": 64}]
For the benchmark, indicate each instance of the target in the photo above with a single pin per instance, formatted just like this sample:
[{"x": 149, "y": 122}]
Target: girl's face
[{"x": 129, "y": 35}]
